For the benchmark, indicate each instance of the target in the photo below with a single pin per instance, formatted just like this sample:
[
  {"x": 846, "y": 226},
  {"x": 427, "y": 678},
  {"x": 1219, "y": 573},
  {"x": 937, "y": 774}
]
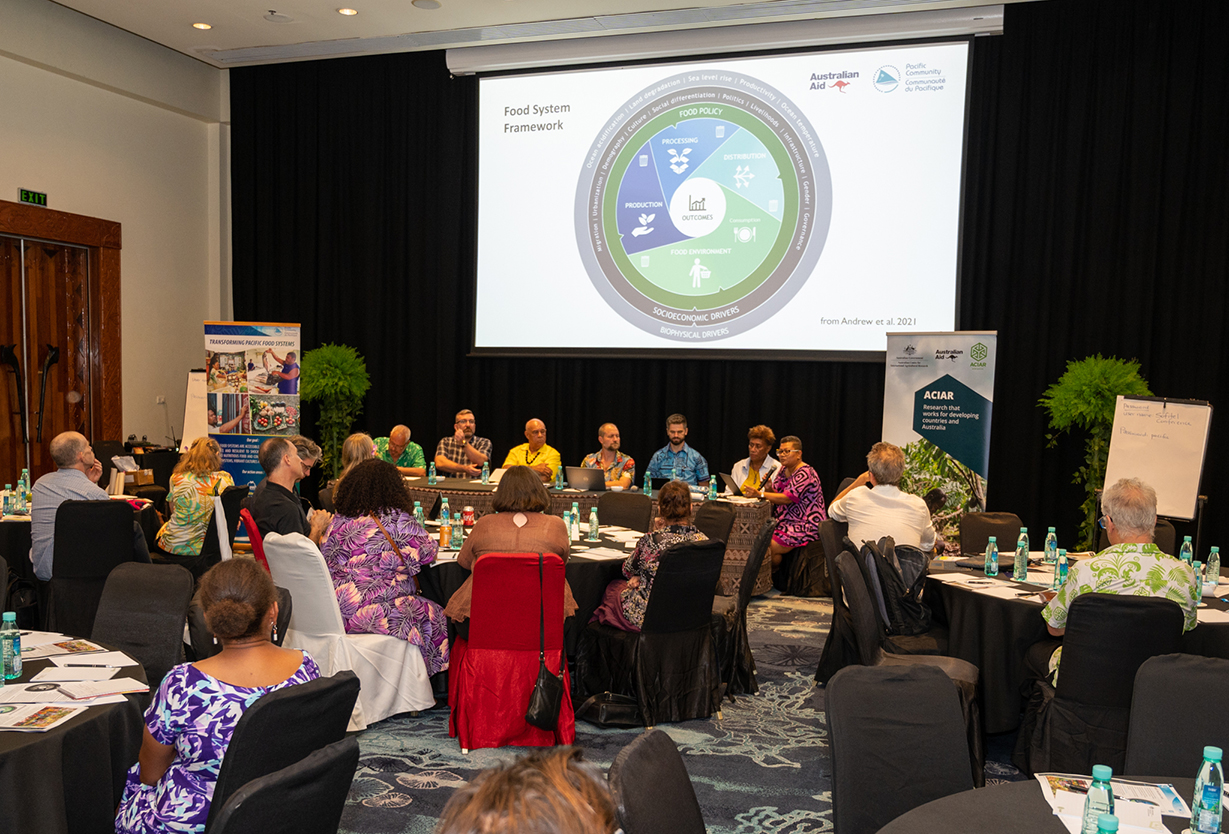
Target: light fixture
[
  {"x": 347, "y": 12},
  {"x": 277, "y": 17},
  {"x": 201, "y": 26},
  {"x": 426, "y": 4}
]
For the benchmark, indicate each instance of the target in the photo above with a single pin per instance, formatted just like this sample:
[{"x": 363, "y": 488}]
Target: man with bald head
[
  {"x": 620, "y": 469},
  {"x": 398, "y": 450},
  {"x": 535, "y": 454},
  {"x": 76, "y": 479}
]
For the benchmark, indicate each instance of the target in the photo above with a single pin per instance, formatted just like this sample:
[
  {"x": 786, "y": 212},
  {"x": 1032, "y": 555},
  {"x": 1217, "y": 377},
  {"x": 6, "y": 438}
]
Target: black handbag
[
  {"x": 547, "y": 697},
  {"x": 610, "y": 709}
]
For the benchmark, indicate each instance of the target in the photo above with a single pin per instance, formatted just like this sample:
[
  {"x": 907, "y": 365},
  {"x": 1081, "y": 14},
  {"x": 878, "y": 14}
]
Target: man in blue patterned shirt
[{"x": 678, "y": 460}]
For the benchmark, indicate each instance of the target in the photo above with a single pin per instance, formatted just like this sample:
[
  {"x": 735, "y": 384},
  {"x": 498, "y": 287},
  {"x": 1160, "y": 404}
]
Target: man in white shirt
[{"x": 883, "y": 510}]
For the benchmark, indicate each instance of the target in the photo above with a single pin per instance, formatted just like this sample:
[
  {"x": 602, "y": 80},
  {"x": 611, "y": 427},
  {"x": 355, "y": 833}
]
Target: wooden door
[{"x": 12, "y": 395}]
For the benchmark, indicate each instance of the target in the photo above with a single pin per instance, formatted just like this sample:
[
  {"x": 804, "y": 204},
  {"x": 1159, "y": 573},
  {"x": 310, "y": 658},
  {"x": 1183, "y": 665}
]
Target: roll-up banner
[
  {"x": 938, "y": 395},
  {"x": 252, "y": 384}
]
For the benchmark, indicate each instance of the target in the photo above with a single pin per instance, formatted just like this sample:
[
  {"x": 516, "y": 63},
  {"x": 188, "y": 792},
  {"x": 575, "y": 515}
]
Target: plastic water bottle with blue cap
[
  {"x": 1207, "y": 804},
  {"x": 419, "y": 516},
  {"x": 1212, "y": 569},
  {"x": 486, "y": 472},
  {"x": 559, "y": 477},
  {"x": 1187, "y": 551},
  {"x": 1099, "y": 800},
  {"x": 431, "y": 479},
  {"x": 992, "y": 557},
  {"x": 1019, "y": 571},
  {"x": 1107, "y": 824},
  {"x": 1060, "y": 570},
  {"x": 10, "y": 645},
  {"x": 1051, "y": 547},
  {"x": 593, "y": 524}
]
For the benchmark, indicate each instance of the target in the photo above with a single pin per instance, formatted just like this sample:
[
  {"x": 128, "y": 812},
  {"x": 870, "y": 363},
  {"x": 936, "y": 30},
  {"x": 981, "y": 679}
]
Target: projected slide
[{"x": 807, "y": 202}]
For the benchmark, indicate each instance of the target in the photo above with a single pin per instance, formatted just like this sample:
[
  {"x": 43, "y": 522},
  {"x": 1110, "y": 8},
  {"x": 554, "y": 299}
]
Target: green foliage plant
[
  {"x": 1085, "y": 397},
  {"x": 928, "y": 467},
  {"x": 336, "y": 377}
]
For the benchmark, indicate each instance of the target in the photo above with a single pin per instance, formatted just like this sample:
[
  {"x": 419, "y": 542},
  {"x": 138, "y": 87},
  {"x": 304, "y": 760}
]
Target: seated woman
[
  {"x": 193, "y": 714},
  {"x": 194, "y": 483},
  {"x": 755, "y": 470},
  {"x": 374, "y": 550},
  {"x": 625, "y": 601},
  {"x": 518, "y": 525},
  {"x": 354, "y": 450},
  {"x": 797, "y": 501}
]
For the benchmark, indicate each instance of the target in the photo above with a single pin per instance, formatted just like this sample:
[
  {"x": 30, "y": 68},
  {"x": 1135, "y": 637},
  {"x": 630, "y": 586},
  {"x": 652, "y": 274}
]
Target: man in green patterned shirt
[{"x": 399, "y": 451}]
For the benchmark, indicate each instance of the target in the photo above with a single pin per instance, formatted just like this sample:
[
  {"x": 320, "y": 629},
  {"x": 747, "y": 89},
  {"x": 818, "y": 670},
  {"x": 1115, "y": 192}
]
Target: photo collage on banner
[
  {"x": 938, "y": 395},
  {"x": 252, "y": 384}
]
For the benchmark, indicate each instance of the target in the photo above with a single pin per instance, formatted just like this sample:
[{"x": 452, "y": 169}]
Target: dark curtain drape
[{"x": 1095, "y": 218}]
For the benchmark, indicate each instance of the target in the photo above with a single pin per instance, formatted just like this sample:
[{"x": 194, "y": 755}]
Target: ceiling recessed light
[
  {"x": 201, "y": 26},
  {"x": 347, "y": 12},
  {"x": 426, "y": 4}
]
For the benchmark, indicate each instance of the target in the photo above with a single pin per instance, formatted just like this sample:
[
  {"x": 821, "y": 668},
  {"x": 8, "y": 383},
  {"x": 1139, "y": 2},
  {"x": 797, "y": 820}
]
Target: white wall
[{"x": 113, "y": 126}]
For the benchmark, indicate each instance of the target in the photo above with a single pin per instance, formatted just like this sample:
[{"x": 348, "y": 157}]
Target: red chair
[
  {"x": 492, "y": 674},
  {"x": 258, "y": 543}
]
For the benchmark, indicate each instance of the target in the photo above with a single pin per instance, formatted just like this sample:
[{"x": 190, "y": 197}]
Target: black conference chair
[
  {"x": 651, "y": 788},
  {"x": 1164, "y": 536},
  {"x": 841, "y": 645},
  {"x": 282, "y": 728},
  {"x": 91, "y": 538},
  {"x": 670, "y": 666},
  {"x": 201, "y": 641},
  {"x": 730, "y": 622},
  {"x": 325, "y": 498},
  {"x": 898, "y": 741},
  {"x": 1084, "y": 720},
  {"x": 1156, "y": 743},
  {"x": 633, "y": 510},
  {"x": 882, "y": 569},
  {"x": 211, "y": 548},
  {"x": 307, "y": 797},
  {"x": 977, "y": 528},
  {"x": 715, "y": 520},
  {"x": 142, "y": 613}
]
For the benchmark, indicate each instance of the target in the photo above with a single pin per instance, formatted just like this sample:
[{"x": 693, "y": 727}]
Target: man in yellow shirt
[{"x": 535, "y": 454}]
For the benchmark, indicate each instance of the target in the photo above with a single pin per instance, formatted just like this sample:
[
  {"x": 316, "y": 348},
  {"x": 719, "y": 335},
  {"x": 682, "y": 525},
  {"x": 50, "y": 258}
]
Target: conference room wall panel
[{"x": 1094, "y": 217}]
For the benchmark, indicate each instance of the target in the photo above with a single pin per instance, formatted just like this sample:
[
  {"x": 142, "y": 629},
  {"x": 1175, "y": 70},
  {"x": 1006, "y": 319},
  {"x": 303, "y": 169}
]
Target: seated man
[
  {"x": 462, "y": 454},
  {"x": 1132, "y": 564},
  {"x": 883, "y": 510},
  {"x": 275, "y": 507},
  {"x": 535, "y": 454},
  {"x": 620, "y": 469},
  {"x": 75, "y": 480},
  {"x": 398, "y": 450},
  {"x": 677, "y": 459}
]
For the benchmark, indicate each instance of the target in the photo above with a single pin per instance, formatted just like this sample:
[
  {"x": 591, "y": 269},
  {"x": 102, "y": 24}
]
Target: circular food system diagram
[{"x": 703, "y": 206}]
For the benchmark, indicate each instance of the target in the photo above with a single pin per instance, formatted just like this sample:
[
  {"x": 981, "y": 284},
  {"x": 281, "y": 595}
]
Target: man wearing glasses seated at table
[
  {"x": 883, "y": 510},
  {"x": 462, "y": 454},
  {"x": 620, "y": 469},
  {"x": 1132, "y": 564},
  {"x": 401, "y": 452},
  {"x": 535, "y": 454}
]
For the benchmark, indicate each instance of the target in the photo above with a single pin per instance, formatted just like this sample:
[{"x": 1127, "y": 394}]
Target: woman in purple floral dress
[
  {"x": 797, "y": 501},
  {"x": 374, "y": 550}
]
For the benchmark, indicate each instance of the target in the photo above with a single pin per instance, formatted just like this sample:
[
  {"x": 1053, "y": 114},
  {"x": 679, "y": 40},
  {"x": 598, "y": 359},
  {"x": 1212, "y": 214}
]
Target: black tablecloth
[
  {"x": 70, "y": 779},
  {"x": 1016, "y": 806}
]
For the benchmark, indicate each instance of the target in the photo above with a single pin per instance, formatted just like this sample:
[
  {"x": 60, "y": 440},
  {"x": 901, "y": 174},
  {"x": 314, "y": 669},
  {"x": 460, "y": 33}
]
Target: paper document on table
[
  {"x": 31, "y": 639},
  {"x": 61, "y": 647},
  {"x": 739, "y": 499},
  {"x": 92, "y": 689},
  {"x": 35, "y": 718},
  {"x": 951, "y": 577},
  {"x": 73, "y": 673},
  {"x": 444, "y": 556},
  {"x": 1213, "y": 615},
  {"x": 1162, "y": 797},
  {"x": 604, "y": 553},
  {"x": 1001, "y": 590},
  {"x": 113, "y": 660},
  {"x": 1042, "y": 578}
]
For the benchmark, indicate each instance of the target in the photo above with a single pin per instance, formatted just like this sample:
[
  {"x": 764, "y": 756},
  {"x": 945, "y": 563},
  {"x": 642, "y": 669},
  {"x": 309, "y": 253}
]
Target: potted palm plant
[{"x": 336, "y": 377}]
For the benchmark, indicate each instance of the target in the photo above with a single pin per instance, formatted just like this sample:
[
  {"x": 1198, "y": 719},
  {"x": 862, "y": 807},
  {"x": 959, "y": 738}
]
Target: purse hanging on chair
[{"x": 547, "y": 697}]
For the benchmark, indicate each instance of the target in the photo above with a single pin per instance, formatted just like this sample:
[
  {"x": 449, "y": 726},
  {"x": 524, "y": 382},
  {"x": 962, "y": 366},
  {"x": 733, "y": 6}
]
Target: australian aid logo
[{"x": 838, "y": 81}]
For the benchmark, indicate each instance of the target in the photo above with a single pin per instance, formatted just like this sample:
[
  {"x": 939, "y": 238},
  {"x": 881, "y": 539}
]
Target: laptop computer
[
  {"x": 731, "y": 488},
  {"x": 588, "y": 480}
]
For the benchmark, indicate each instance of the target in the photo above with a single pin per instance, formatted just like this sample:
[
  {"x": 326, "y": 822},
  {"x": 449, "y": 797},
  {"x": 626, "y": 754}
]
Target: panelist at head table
[
  {"x": 619, "y": 469},
  {"x": 534, "y": 453},
  {"x": 883, "y": 509},
  {"x": 677, "y": 460},
  {"x": 797, "y": 501},
  {"x": 462, "y": 454},
  {"x": 401, "y": 452},
  {"x": 755, "y": 470}
]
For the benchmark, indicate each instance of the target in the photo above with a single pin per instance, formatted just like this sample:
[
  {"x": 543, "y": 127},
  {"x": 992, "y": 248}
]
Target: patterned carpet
[{"x": 763, "y": 768}]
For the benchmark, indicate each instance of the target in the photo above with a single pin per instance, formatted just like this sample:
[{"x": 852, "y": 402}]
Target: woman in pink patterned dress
[
  {"x": 374, "y": 550},
  {"x": 797, "y": 501}
]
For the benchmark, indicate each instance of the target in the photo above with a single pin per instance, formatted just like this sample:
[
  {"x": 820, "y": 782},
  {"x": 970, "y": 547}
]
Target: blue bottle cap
[
  {"x": 1212, "y": 754},
  {"x": 1107, "y": 822},
  {"x": 11, "y": 617},
  {"x": 993, "y": 539},
  {"x": 1102, "y": 773}
]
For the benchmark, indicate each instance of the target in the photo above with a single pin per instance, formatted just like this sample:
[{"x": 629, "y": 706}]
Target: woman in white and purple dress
[{"x": 797, "y": 501}]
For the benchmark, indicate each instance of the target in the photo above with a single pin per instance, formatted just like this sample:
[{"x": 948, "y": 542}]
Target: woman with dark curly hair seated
[{"x": 374, "y": 550}]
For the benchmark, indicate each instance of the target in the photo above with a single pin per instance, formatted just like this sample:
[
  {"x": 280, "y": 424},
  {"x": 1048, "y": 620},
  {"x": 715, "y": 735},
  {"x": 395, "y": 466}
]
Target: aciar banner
[
  {"x": 938, "y": 395},
  {"x": 252, "y": 380}
]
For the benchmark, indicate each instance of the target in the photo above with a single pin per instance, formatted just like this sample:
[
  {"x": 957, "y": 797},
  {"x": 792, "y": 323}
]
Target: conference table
[
  {"x": 748, "y": 518},
  {"x": 1009, "y": 807},
  {"x": 993, "y": 622},
  {"x": 69, "y": 779}
]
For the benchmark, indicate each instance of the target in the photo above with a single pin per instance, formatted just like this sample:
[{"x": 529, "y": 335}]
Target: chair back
[
  {"x": 298, "y": 566},
  {"x": 91, "y": 538},
  {"x": 211, "y": 548},
  {"x": 284, "y": 727},
  {"x": 201, "y": 639},
  {"x": 307, "y": 797},
  {"x": 715, "y": 520},
  {"x": 142, "y": 613},
  {"x": 325, "y": 497},
  {"x": 651, "y": 788},
  {"x": 257, "y": 541},
  {"x": 681, "y": 598},
  {"x": 898, "y": 741},
  {"x": 1108, "y": 638},
  {"x": 751, "y": 570},
  {"x": 633, "y": 510},
  {"x": 1156, "y": 743},
  {"x": 1164, "y": 536},
  {"x": 977, "y": 528},
  {"x": 506, "y": 596},
  {"x": 866, "y": 630}
]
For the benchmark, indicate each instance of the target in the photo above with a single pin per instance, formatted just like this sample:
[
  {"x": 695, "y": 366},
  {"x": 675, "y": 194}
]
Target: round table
[
  {"x": 1015, "y": 806},
  {"x": 70, "y": 778}
]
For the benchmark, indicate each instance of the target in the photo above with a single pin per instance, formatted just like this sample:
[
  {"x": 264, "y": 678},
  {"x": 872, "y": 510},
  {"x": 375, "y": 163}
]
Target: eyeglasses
[{"x": 1101, "y": 521}]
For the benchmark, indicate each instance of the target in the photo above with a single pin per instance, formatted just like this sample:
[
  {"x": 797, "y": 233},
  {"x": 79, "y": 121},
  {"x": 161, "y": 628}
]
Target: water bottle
[
  {"x": 558, "y": 477},
  {"x": 1051, "y": 547},
  {"x": 1060, "y": 570},
  {"x": 712, "y": 489},
  {"x": 445, "y": 516},
  {"x": 486, "y": 472},
  {"x": 419, "y": 515},
  {"x": 1198, "y": 566},
  {"x": 445, "y": 533},
  {"x": 648, "y": 482},
  {"x": 19, "y": 499},
  {"x": 575, "y": 529},
  {"x": 8, "y": 499},
  {"x": 1107, "y": 824},
  {"x": 457, "y": 537},
  {"x": 567, "y": 521},
  {"x": 992, "y": 557},
  {"x": 10, "y": 646},
  {"x": 593, "y": 525},
  {"x": 1206, "y": 804},
  {"x": 1100, "y": 799},
  {"x": 1019, "y": 570},
  {"x": 674, "y": 472},
  {"x": 1212, "y": 569},
  {"x": 28, "y": 499},
  {"x": 1187, "y": 551},
  {"x": 431, "y": 479}
]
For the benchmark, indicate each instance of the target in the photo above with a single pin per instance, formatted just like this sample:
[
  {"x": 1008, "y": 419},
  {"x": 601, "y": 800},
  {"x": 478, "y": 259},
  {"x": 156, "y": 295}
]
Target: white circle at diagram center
[{"x": 697, "y": 207}]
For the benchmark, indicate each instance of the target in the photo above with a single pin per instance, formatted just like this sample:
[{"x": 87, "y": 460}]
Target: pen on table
[{"x": 92, "y": 665}]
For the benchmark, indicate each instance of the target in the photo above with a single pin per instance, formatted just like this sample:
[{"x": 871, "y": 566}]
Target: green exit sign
[{"x": 34, "y": 198}]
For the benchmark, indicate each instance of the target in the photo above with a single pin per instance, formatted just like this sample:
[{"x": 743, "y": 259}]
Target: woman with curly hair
[
  {"x": 374, "y": 550},
  {"x": 196, "y": 480}
]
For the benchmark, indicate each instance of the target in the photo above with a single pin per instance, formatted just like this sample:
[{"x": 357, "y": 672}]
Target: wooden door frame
[{"x": 102, "y": 239}]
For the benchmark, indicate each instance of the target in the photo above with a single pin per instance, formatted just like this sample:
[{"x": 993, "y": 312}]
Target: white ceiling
[{"x": 241, "y": 35}]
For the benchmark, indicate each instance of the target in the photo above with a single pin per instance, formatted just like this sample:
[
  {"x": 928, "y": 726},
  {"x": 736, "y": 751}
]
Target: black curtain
[{"x": 1095, "y": 218}]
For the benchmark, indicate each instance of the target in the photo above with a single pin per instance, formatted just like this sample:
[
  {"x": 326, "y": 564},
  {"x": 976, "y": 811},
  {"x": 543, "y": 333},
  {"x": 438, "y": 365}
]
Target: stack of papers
[
  {"x": 81, "y": 675},
  {"x": 1138, "y": 805}
]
